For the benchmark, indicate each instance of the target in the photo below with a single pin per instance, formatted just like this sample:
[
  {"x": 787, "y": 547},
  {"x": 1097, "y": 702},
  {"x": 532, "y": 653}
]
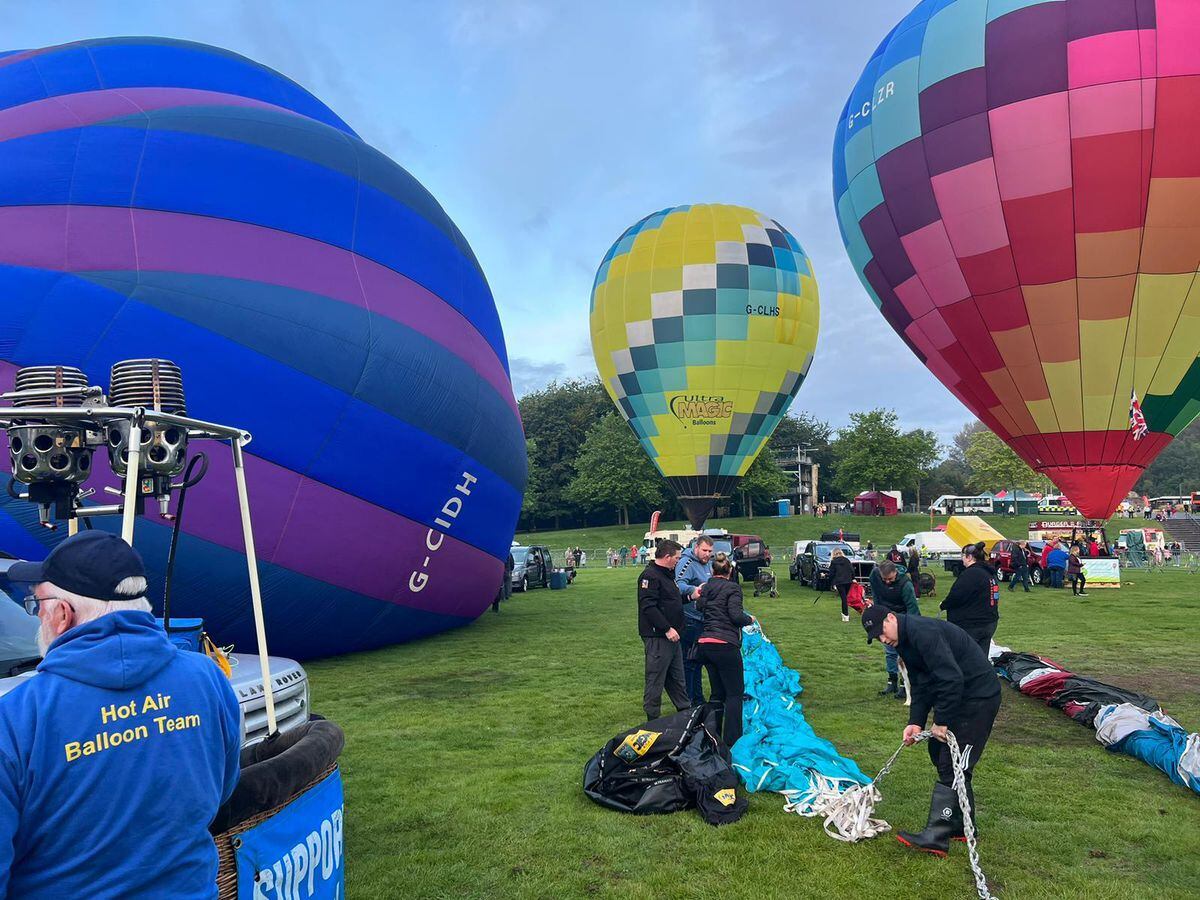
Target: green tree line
[{"x": 587, "y": 467}]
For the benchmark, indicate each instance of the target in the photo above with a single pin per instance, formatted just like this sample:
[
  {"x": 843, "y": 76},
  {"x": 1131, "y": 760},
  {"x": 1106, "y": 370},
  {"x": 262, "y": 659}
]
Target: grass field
[{"x": 464, "y": 755}]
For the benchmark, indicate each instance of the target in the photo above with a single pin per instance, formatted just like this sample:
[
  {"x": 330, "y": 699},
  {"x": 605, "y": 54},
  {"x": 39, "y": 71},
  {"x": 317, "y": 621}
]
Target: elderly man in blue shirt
[{"x": 694, "y": 568}]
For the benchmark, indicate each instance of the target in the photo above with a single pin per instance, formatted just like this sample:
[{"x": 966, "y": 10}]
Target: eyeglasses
[{"x": 32, "y": 602}]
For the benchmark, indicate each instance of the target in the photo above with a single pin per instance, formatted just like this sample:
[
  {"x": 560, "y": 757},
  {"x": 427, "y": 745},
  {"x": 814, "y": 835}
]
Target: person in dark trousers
[
  {"x": 973, "y": 602},
  {"x": 914, "y": 569},
  {"x": 893, "y": 591},
  {"x": 841, "y": 576},
  {"x": 693, "y": 569},
  {"x": 1020, "y": 564},
  {"x": 953, "y": 679},
  {"x": 720, "y": 643},
  {"x": 660, "y": 622},
  {"x": 505, "y": 591},
  {"x": 1075, "y": 572}
]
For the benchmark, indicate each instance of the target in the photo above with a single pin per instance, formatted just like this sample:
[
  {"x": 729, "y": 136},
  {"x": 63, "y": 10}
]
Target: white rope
[{"x": 848, "y": 813}]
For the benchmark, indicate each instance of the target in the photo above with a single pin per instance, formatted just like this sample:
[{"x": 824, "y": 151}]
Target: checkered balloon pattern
[
  {"x": 1018, "y": 187},
  {"x": 704, "y": 321}
]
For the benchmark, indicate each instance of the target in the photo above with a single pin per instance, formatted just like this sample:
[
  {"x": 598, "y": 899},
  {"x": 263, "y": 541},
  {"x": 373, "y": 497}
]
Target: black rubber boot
[
  {"x": 944, "y": 820},
  {"x": 959, "y": 832},
  {"x": 900, "y": 695},
  {"x": 891, "y": 686}
]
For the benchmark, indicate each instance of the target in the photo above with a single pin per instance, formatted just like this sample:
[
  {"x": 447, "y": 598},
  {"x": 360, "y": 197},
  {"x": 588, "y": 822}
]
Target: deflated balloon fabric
[{"x": 778, "y": 750}]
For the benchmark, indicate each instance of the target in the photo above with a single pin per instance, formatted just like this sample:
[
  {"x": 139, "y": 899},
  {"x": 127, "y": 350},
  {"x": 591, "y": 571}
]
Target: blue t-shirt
[{"x": 113, "y": 760}]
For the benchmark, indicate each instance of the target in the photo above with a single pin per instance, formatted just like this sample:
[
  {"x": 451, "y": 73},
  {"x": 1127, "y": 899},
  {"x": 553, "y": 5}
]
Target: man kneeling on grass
[{"x": 952, "y": 678}]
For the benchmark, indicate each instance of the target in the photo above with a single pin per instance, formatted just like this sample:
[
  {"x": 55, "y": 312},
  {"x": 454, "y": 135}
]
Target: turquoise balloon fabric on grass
[{"x": 778, "y": 750}]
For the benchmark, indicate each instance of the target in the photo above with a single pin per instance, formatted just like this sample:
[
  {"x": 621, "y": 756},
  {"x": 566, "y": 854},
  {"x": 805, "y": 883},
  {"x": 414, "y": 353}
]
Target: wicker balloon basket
[{"x": 227, "y": 841}]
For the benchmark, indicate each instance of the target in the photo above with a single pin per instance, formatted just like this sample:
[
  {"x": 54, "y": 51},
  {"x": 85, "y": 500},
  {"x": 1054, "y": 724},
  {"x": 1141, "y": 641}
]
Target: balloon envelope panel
[
  {"x": 1017, "y": 184},
  {"x": 165, "y": 198},
  {"x": 704, "y": 321}
]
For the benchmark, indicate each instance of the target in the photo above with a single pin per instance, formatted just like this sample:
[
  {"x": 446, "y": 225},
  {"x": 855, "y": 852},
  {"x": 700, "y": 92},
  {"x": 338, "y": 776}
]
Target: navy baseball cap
[
  {"x": 91, "y": 564},
  {"x": 872, "y": 621}
]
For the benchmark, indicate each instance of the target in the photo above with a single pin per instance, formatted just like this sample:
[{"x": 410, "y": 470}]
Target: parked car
[
  {"x": 1002, "y": 556},
  {"x": 812, "y": 565},
  {"x": 531, "y": 567},
  {"x": 750, "y": 555}
]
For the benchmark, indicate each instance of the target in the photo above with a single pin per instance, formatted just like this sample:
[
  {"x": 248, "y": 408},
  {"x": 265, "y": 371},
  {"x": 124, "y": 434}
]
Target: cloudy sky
[{"x": 546, "y": 128}]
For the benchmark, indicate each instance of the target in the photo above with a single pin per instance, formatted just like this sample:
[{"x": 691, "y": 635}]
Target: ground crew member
[
  {"x": 893, "y": 591},
  {"x": 973, "y": 601},
  {"x": 116, "y": 755},
  {"x": 660, "y": 623},
  {"x": 691, "y": 572},
  {"x": 952, "y": 678}
]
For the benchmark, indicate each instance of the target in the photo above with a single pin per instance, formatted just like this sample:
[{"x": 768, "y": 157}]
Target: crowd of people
[{"x": 626, "y": 556}]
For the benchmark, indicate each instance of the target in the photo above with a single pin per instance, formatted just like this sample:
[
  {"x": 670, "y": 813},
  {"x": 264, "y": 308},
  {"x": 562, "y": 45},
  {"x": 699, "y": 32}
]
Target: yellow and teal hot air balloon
[{"x": 704, "y": 321}]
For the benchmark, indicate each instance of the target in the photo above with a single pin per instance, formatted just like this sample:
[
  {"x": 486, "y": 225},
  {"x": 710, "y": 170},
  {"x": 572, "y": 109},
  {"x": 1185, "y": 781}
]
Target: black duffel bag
[{"x": 666, "y": 765}]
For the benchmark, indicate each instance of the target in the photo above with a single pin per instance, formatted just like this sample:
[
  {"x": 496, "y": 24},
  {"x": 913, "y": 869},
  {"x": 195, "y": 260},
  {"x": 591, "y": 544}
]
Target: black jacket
[
  {"x": 721, "y": 605},
  {"x": 660, "y": 603},
  {"x": 1019, "y": 559},
  {"x": 973, "y": 600},
  {"x": 946, "y": 667},
  {"x": 840, "y": 571},
  {"x": 912, "y": 563}
]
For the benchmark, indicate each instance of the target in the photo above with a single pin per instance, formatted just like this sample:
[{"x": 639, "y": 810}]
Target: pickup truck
[{"x": 19, "y": 657}]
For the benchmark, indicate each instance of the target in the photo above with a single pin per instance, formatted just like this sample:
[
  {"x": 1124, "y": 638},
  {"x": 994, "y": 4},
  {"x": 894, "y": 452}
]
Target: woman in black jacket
[
  {"x": 973, "y": 603},
  {"x": 841, "y": 576},
  {"x": 720, "y": 643}
]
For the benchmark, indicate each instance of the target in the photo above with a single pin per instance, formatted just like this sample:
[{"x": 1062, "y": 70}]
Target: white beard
[{"x": 44, "y": 639}]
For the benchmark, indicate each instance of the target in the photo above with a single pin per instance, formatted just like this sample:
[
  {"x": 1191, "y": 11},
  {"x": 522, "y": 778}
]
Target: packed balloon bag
[{"x": 668, "y": 764}]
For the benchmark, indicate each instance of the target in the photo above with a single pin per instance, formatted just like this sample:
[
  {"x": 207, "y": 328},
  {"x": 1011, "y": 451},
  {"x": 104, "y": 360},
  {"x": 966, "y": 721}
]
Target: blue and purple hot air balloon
[{"x": 165, "y": 198}]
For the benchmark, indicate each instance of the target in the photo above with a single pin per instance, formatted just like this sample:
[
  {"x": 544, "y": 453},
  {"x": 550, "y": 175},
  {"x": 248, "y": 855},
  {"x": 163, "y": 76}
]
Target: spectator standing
[
  {"x": 894, "y": 592},
  {"x": 1020, "y": 564},
  {"x": 505, "y": 591},
  {"x": 660, "y": 623},
  {"x": 1057, "y": 561},
  {"x": 720, "y": 642},
  {"x": 841, "y": 576},
  {"x": 973, "y": 602},
  {"x": 633, "y": 554},
  {"x": 1075, "y": 573},
  {"x": 693, "y": 570},
  {"x": 914, "y": 569},
  {"x": 610, "y": 558}
]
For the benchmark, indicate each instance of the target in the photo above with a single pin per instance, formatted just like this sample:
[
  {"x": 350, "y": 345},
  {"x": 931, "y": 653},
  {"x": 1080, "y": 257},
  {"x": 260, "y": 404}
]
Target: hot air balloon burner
[
  {"x": 156, "y": 385},
  {"x": 52, "y": 458}
]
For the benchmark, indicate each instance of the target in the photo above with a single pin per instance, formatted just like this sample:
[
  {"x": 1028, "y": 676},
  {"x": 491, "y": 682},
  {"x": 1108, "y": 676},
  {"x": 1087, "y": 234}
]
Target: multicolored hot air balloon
[
  {"x": 1018, "y": 186},
  {"x": 704, "y": 321},
  {"x": 165, "y": 198}
]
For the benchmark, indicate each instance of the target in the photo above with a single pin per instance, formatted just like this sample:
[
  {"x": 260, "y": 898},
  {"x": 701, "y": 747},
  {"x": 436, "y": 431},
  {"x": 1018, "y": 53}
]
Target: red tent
[{"x": 875, "y": 503}]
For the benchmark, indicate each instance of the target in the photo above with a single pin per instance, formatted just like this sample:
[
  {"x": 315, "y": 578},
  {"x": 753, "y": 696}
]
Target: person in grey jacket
[{"x": 720, "y": 643}]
